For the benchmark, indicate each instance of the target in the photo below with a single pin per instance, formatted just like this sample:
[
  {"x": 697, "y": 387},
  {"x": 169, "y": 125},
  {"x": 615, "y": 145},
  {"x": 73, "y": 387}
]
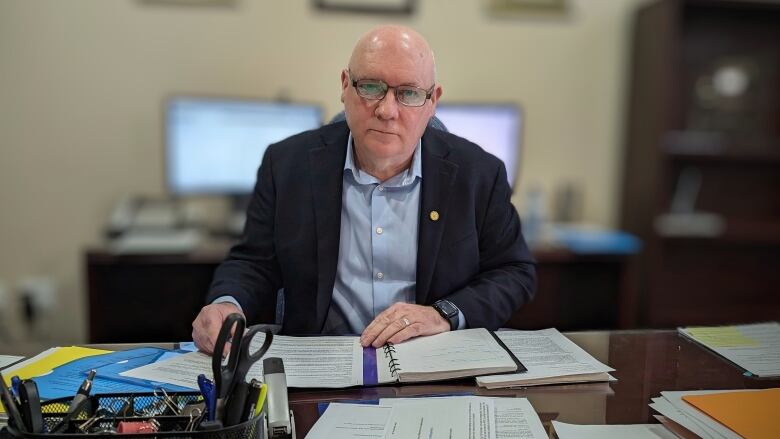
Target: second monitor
[{"x": 494, "y": 127}]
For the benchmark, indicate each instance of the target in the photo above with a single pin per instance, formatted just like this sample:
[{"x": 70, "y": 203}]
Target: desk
[
  {"x": 647, "y": 362},
  {"x": 575, "y": 292}
]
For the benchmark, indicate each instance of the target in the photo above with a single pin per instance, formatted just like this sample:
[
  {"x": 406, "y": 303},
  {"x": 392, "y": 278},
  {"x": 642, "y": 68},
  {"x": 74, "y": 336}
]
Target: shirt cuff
[
  {"x": 231, "y": 299},
  {"x": 461, "y": 320}
]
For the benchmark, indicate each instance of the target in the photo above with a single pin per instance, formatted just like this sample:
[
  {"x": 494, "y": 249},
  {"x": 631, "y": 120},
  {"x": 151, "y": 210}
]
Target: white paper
[
  {"x": 675, "y": 398},
  {"x": 665, "y": 408},
  {"x": 441, "y": 418},
  {"x": 464, "y": 350},
  {"x": 546, "y": 354},
  {"x": 513, "y": 417},
  {"x": 5, "y": 360},
  {"x": 351, "y": 421},
  {"x": 755, "y": 347},
  {"x": 637, "y": 431},
  {"x": 516, "y": 418},
  {"x": 333, "y": 362}
]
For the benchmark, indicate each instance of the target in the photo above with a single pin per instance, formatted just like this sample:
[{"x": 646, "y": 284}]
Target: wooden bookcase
[{"x": 703, "y": 144}]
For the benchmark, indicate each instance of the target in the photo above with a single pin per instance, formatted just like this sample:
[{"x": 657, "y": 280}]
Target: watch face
[{"x": 447, "y": 307}]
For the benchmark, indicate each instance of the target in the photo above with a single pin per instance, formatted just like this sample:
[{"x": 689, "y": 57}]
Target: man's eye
[
  {"x": 409, "y": 93},
  {"x": 372, "y": 88}
]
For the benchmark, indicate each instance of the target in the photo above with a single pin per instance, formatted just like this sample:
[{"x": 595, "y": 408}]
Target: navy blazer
[{"x": 473, "y": 254}]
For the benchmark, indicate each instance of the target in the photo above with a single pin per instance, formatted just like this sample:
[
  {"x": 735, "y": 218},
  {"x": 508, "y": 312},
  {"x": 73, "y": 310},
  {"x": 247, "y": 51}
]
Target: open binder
[{"x": 449, "y": 355}]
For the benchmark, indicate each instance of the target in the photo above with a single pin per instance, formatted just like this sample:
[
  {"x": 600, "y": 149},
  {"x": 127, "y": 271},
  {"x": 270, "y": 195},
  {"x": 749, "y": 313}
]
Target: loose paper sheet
[
  {"x": 334, "y": 362},
  {"x": 638, "y": 431},
  {"x": 351, "y": 421},
  {"x": 546, "y": 354},
  {"x": 755, "y": 348}
]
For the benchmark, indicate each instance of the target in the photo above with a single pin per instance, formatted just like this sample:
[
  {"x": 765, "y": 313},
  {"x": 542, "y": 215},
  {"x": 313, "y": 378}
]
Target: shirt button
[
  {"x": 380, "y": 188},
  {"x": 379, "y": 230},
  {"x": 380, "y": 275}
]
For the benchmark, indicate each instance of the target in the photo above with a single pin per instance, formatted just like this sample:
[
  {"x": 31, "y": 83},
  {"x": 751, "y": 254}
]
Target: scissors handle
[
  {"x": 247, "y": 360},
  {"x": 224, "y": 375}
]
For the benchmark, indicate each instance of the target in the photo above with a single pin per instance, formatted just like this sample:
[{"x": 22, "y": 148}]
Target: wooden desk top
[{"x": 646, "y": 363}]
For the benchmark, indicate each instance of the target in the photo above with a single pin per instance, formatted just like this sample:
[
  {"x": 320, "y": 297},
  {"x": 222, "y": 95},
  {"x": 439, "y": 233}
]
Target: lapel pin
[{"x": 434, "y": 215}]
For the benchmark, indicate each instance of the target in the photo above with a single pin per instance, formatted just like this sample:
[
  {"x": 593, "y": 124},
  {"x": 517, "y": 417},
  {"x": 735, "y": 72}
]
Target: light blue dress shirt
[
  {"x": 377, "y": 264},
  {"x": 377, "y": 246}
]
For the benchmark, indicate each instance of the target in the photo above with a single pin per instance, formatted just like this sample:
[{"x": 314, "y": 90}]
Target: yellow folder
[
  {"x": 752, "y": 415},
  {"x": 43, "y": 364}
]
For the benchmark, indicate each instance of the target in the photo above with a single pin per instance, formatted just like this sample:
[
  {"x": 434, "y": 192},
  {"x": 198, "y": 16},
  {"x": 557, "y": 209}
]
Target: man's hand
[
  {"x": 206, "y": 326},
  {"x": 402, "y": 321}
]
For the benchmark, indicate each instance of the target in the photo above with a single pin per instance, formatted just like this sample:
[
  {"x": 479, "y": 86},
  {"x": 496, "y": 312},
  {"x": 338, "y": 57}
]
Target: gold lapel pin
[{"x": 434, "y": 215}]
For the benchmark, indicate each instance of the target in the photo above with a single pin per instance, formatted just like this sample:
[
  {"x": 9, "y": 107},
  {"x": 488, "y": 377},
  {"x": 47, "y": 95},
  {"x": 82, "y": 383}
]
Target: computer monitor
[
  {"x": 215, "y": 145},
  {"x": 494, "y": 127}
]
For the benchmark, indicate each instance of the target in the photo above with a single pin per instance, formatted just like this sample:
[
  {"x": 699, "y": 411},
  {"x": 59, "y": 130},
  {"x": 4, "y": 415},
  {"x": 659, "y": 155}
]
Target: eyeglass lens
[{"x": 406, "y": 94}]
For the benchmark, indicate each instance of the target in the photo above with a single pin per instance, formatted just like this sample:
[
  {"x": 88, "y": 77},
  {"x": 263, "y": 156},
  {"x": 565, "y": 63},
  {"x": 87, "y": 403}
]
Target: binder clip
[{"x": 279, "y": 420}]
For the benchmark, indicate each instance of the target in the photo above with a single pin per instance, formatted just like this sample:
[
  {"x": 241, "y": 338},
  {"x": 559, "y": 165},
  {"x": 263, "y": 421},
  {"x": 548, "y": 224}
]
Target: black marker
[{"x": 83, "y": 391}]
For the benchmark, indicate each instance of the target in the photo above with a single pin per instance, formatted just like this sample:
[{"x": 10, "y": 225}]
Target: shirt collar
[{"x": 403, "y": 178}]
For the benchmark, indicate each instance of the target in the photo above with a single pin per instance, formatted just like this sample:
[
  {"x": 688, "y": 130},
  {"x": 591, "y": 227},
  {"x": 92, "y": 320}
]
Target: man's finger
[
  {"x": 408, "y": 332},
  {"x": 375, "y": 328},
  {"x": 391, "y": 329}
]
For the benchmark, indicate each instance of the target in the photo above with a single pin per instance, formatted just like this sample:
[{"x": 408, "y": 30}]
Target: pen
[
  {"x": 252, "y": 400},
  {"x": 15, "y": 382},
  {"x": 208, "y": 391},
  {"x": 261, "y": 400},
  {"x": 83, "y": 391}
]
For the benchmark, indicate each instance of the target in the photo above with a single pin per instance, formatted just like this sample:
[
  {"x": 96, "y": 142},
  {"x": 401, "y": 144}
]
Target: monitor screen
[
  {"x": 214, "y": 146},
  {"x": 494, "y": 127}
]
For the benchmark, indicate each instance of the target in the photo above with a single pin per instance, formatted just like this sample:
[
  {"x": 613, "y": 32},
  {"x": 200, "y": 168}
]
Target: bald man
[{"x": 380, "y": 225}]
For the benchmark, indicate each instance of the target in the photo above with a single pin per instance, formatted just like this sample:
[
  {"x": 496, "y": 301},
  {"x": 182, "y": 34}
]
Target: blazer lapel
[
  {"x": 438, "y": 175},
  {"x": 327, "y": 163}
]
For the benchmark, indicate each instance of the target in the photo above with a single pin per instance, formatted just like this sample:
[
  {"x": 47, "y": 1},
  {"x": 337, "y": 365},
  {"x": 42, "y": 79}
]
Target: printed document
[
  {"x": 352, "y": 421},
  {"x": 308, "y": 362},
  {"x": 755, "y": 347},
  {"x": 441, "y": 418},
  {"x": 512, "y": 417},
  {"x": 550, "y": 358},
  {"x": 638, "y": 431}
]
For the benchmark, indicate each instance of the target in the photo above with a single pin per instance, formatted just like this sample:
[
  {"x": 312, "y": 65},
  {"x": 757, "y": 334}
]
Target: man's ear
[
  {"x": 436, "y": 94},
  {"x": 344, "y": 83}
]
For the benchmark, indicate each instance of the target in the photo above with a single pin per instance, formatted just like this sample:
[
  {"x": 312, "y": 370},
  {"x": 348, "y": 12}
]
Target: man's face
[{"x": 386, "y": 129}]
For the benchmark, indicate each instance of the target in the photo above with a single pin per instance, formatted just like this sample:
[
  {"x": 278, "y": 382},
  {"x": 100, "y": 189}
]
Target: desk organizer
[{"x": 100, "y": 415}]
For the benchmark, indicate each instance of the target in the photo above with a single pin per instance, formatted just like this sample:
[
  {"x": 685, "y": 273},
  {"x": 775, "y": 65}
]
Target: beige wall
[{"x": 82, "y": 81}]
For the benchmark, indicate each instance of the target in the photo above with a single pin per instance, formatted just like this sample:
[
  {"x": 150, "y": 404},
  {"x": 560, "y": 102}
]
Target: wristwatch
[{"x": 448, "y": 311}]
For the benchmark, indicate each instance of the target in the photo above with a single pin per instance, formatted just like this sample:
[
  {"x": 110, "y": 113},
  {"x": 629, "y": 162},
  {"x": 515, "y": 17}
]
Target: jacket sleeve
[{"x": 507, "y": 276}]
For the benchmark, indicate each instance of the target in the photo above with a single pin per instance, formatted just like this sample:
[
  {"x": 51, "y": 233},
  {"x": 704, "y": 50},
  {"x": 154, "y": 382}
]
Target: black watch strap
[{"x": 449, "y": 311}]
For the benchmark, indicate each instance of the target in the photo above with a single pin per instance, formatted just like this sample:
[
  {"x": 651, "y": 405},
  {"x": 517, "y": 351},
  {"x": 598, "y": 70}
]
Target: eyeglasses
[{"x": 375, "y": 90}]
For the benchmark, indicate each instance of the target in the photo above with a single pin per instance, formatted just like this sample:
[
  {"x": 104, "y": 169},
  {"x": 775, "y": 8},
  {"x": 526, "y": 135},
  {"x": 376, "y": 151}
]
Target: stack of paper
[
  {"x": 636, "y": 431},
  {"x": 431, "y": 418},
  {"x": 550, "y": 358},
  {"x": 717, "y": 414},
  {"x": 755, "y": 348}
]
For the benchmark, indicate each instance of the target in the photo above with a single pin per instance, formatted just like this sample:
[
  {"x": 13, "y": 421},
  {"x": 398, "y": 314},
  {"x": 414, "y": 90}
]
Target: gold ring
[{"x": 406, "y": 321}]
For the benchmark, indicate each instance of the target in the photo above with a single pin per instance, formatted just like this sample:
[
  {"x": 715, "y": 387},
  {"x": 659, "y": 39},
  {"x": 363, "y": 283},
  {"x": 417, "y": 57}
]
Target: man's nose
[{"x": 387, "y": 108}]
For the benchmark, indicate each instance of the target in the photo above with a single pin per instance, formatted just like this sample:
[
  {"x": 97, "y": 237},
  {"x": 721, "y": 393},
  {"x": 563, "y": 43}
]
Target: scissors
[{"x": 230, "y": 379}]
